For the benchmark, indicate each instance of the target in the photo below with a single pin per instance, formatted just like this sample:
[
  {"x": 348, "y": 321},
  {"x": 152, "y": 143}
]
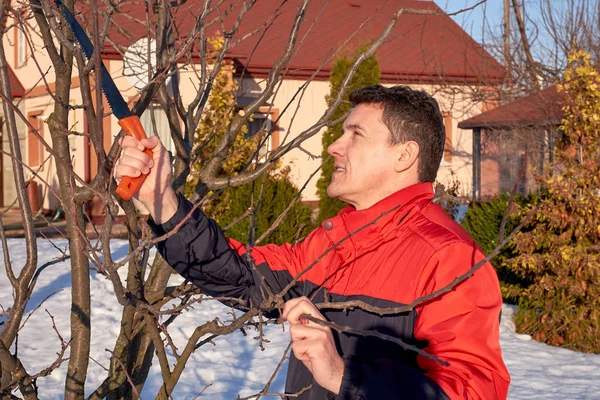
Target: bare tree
[
  {"x": 145, "y": 294},
  {"x": 535, "y": 41}
]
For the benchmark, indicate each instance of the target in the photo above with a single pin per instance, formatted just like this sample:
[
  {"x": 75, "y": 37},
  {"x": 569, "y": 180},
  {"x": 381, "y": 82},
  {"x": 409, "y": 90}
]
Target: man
[{"x": 390, "y": 246}]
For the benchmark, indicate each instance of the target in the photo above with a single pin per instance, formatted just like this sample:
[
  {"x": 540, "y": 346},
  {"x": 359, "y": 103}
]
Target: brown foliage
[{"x": 559, "y": 254}]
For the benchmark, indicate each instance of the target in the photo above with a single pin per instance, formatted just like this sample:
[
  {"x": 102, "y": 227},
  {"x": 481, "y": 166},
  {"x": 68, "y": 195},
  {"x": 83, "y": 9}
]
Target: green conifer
[{"x": 367, "y": 74}]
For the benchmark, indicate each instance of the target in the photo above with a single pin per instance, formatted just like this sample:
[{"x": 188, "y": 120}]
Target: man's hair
[{"x": 410, "y": 115}]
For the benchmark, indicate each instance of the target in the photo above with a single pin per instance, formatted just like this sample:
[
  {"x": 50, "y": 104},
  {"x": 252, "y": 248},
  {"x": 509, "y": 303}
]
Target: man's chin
[
  {"x": 336, "y": 194},
  {"x": 331, "y": 192}
]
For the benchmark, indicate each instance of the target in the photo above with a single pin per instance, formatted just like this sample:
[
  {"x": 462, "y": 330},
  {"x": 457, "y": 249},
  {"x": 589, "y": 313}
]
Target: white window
[
  {"x": 21, "y": 48},
  {"x": 261, "y": 124},
  {"x": 162, "y": 126}
]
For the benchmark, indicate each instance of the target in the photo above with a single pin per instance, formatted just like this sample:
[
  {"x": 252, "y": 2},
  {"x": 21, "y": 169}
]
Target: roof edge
[
  {"x": 508, "y": 124},
  {"x": 385, "y": 77}
]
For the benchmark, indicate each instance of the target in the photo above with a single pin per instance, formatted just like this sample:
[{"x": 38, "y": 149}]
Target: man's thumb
[{"x": 152, "y": 143}]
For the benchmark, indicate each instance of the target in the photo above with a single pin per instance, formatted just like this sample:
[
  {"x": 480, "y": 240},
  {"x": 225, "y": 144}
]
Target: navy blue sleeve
[
  {"x": 199, "y": 252},
  {"x": 386, "y": 379}
]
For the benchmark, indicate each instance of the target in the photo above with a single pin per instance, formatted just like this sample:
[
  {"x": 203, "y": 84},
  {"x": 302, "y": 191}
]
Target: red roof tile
[
  {"x": 543, "y": 108},
  {"x": 421, "y": 47}
]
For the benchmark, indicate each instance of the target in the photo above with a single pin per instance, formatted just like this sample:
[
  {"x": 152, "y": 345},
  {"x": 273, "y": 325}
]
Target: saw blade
[{"x": 111, "y": 92}]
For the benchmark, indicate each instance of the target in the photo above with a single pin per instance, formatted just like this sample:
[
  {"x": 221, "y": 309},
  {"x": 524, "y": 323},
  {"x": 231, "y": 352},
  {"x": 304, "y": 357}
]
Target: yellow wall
[{"x": 306, "y": 109}]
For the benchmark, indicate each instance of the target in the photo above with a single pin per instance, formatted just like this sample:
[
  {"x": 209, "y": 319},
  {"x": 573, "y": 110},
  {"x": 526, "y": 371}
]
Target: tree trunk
[
  {"x": 80, "y": 274},
  {"x": 21, "y": 285}
]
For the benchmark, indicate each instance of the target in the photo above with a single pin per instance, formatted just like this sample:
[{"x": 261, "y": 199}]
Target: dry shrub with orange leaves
[{"x": 560, "y": 253}]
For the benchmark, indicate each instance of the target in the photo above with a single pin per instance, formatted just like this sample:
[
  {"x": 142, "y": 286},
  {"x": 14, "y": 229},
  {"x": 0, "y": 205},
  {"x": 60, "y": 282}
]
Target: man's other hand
[{"x": 313, "y": 344}]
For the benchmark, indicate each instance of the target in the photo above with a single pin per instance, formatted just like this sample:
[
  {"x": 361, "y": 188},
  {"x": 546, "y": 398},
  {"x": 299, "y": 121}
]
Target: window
[
  {"x": 21, "y": 47},
  {"x": 35, "y": 149},
  {"x": 163, "y": 130},
  {"x": 261, "y": 124},
  {"x": 512, "y": 162}
]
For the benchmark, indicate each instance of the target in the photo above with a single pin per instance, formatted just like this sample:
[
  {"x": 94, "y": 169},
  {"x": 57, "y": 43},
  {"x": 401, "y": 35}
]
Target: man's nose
[{"x": 336, "y": 148}]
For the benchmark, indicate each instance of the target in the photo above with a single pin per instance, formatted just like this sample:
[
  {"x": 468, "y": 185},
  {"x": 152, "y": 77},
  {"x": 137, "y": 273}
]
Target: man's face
[{"x": 364, "y": 162}]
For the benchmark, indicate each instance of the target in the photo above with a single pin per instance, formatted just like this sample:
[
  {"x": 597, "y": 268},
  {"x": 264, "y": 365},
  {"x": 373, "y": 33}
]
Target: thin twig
[
  {"x": 379, "y": 335},
  {"x": 202, "y": 391},
  {"x": 277, "y": 368},
  {"x": 38, "y": 306},
  {"x": 289, "y": 207},
  {"x": 282, "y": 396}
]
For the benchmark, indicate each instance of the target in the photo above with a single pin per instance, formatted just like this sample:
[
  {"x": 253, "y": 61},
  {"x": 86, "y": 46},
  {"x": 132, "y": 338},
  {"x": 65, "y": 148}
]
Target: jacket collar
[
  {"x": 394, "y": 201},
  {"x": 368, "y": 226}
]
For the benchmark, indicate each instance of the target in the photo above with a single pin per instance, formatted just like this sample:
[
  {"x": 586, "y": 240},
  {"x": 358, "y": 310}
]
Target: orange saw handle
[{"x": 128, "y": 185}]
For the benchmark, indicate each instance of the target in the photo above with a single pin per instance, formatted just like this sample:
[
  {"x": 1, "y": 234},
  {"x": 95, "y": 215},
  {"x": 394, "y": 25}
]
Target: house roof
[
  {"x": 16, "y": 87},
  {"x": 420, "y": 48},
  {"x": 542, "y": 108}
]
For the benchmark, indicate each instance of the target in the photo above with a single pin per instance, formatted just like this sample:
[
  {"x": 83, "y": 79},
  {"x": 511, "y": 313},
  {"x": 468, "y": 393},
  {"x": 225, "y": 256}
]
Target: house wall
[
  {"x": 41, "y": 107},
  {"x": 513, "y": 157},
  {"x": 9, "y": 193},
  {"x": 305, "y": 107},
  {"x": 299, "y": 108},
  {"x": 36, "y": 104},
  {"x": 490, "y": 165},
  {"x": 29, "y": 72}
]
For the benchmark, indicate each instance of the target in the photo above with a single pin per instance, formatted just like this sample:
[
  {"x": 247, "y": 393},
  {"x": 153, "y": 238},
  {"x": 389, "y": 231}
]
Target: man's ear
[{"x": 408, "y": 155}]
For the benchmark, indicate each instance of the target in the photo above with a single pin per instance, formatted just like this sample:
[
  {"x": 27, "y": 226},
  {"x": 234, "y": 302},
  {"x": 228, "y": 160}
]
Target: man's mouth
[{"x": 338, "y": 169}]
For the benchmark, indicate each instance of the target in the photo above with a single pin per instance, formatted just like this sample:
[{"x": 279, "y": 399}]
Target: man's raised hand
[{"x": 156, "y": 193}]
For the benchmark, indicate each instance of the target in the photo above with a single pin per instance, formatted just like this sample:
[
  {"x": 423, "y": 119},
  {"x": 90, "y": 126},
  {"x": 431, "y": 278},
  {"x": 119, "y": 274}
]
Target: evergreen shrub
[
  {"x": 269, "y": 197},
  {"x": 367, "y": 74},
  {"x": 482, "y": 221}
]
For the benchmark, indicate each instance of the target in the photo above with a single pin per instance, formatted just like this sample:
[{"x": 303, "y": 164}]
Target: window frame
[
  {"x": 272, "y": 143},
  {"x": 35, "y": 119},
  {"x": 149, "y": 129}
]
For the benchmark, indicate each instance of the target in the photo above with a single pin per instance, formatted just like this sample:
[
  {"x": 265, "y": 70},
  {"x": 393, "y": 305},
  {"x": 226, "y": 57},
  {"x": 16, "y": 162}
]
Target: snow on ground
[
  {"x": 235, "y": 364},
  {"x": 539, "y": 371}
]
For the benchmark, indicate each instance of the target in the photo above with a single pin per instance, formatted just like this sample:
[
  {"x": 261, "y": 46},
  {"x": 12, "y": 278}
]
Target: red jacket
[{"x": 398, "y": 250}]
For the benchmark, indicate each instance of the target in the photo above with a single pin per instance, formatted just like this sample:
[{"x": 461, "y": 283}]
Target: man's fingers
[
  {"x": 313, "y": 344},
  {"x": 131, "y": 142},
  {"x": 303, "y": 349},
  {"x": 300, "y": 332},
  {"x": 132, "y": 155},
  {"x": 291, "y": 304},
  {"x": 133, "y": 163},
  {"x": 139, "y": 161},
  {"x": 125, "y": 170},
  {"x": 153, "y": 143},
  {"x": 294, "y": 308}
]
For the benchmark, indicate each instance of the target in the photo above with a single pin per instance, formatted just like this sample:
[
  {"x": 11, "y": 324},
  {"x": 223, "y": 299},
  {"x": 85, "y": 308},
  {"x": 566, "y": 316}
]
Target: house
[
  {"x": 7, "y": 186},
  {"x": 513, "y": 141},
  {"x": 429, "y": 52}
]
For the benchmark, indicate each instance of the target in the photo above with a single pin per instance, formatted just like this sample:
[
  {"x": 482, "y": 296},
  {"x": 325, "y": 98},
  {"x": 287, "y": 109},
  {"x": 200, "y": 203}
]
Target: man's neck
[{"x": 384, "y": 193}]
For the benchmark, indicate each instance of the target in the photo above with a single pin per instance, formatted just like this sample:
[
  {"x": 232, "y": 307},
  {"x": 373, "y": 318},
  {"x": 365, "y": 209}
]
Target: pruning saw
[{"x": 130, "y": 123}]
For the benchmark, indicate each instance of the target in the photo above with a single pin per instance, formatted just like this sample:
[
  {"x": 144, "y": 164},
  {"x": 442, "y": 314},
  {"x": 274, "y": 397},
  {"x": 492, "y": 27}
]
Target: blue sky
[
  {"x": 475, "y": 24},
  {"x": 473, "y": 20}
]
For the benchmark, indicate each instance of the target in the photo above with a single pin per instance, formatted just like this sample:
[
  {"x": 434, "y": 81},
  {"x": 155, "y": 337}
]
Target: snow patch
[{"x": 235, "y": 364}]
